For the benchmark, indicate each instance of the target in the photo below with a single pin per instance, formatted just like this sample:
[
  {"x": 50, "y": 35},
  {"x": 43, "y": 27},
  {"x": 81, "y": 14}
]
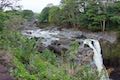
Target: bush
[
  {"x": 3, "y": 17},
  {"x": 14, "y": 22}
]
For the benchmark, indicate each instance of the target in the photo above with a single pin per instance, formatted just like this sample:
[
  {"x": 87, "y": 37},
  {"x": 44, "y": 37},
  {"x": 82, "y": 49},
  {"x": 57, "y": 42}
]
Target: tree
[
  {"x": 27, "y": 14},
  {"x": 95, "y": 15},
  {"x": 88, "y": 16},
  {"x": 14, "y": 22},
  {"x": 54, "y": 15},
  {"x": 9, "y": 4},
  {"x": 43, "y": 17},
  {"x": 114, "y": 15},
  {"x": 3, "y": 17},
  {"x": 70, "y": 11}
]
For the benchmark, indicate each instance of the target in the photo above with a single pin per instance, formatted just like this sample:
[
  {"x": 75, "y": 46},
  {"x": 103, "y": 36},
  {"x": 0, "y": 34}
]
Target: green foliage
[
  {"x": 14, "y": 22},
  {"x": 54, "y": 14},
  {"x": 27, "y": 14},
  {"x": 3, "y": 17},
  {"x": 25, "y": 56},
  {"x": 70, "y": 12},
  {"x": 11, "y": 20},
  {"x": 73, "y": 50},
  {"x": 86, "y": 73},
  {"x": 20, "y": 71},
  {"x": 31, "y": 65},
  {"x": 19, "y": 45},
  {"x": 43, "y": 17},
  {"x": 47, "y": 71},
  {"x": 49, "y": 56},
  {"x": 88, "y": 14}
]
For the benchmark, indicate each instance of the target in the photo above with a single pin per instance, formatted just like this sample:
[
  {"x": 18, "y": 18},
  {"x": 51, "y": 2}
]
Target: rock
[
  {"x": 80, "y": 36},
  {"x": 40, "y": 47},
  {"x": 57, "y": 49},
  {"x": 5, "y": 77},
  {"x": 60, "y": 46},
  {"x": 5, "y": 58},
  {"x": 115, "y": 75},
  {"x": 62, "y": 42},
  {"x": 85, "y": 56},
  {"x": 3, "y": 69},
  {"x": 5, "y": 61}
]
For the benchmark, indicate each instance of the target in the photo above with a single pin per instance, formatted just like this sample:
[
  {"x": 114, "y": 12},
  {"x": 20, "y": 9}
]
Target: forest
[
  {"x": 23, "y": 57},
  {"x": 88, "y": 14}
]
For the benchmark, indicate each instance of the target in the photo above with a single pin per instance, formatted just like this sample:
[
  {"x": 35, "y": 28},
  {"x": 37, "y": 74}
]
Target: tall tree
[
  {"x": 43, "y": 17},
  {"x": 54, "y": 15},
  {"x": 27, "y": 14},
  {"x": 70, "y": 11}
]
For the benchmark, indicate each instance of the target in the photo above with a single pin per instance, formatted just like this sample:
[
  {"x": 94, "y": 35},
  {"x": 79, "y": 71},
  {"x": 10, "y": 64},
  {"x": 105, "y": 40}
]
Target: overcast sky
[{"x": 37, "y": 5}]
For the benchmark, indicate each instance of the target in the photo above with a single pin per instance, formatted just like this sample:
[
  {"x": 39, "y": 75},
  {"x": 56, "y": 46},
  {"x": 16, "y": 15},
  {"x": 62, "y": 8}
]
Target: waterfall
[{"x": 97, "y": 58}]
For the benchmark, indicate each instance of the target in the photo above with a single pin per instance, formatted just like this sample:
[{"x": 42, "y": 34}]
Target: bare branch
[{"x": 8, "y": 4}]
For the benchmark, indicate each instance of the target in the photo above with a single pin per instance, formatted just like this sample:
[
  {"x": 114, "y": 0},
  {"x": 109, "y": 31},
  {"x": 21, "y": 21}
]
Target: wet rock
[
  {"x": 62, "y": 42},
  {"x": 80, "y": 36},
  {"x": 57, "y": 49},
  {"x": 60, "y": 46}
]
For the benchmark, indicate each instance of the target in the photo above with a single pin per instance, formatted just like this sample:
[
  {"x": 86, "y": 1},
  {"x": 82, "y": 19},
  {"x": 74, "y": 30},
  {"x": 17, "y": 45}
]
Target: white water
[
  {"x": 47, "y": 35},
  {"x": 95, "y": 45}
]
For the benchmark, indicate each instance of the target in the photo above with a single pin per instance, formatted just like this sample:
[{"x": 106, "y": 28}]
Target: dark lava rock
[
  {"x": 56, "y": 49},
  {"x": 115, "y": 75},
  {"x": 60, "y": 46},
  {"x": 80, "y": 37}
]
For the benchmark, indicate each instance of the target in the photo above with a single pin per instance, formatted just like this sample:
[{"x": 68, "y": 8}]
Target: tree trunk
[
  {"x": 101, "y": 25},
  {"x": 104, "y": 24}
]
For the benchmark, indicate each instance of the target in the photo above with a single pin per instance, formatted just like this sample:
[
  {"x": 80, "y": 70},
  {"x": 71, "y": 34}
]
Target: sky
[{"x": 37, "y": 5}]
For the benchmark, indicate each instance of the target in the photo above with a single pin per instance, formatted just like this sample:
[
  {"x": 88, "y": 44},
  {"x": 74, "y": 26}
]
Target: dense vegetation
[
  {"x": 88, "y": 14},
  {"x": 29, "y": 64}
]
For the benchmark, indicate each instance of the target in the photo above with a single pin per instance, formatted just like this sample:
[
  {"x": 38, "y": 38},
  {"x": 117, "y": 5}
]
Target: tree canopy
[
  {"x": 43, "y": 17},
  {"x": 89, "y": 14}
]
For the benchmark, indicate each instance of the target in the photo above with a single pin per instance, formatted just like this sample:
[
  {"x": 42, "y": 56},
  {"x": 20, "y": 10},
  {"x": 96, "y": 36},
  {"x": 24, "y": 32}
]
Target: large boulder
[{"x": 60, "y": 46}]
